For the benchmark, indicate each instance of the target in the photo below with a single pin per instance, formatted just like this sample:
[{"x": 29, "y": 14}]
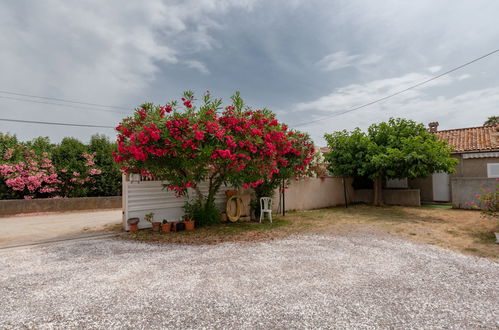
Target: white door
[{"x": 441, "y": 187}]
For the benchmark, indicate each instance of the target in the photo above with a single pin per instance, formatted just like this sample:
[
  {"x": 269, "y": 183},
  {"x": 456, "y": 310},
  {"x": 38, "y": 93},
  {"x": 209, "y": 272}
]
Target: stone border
[
  {"x": 17, "y": 206},
  {"x": 404, "y": 197}
]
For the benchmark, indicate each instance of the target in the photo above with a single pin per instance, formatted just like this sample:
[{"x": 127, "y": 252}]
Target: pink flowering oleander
[
  {"x": 94, "y": 171},
  {"x": 34, "y": 175}
]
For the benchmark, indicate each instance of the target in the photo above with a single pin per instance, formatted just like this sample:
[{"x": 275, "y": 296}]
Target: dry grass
[{"x": 459, "y": 230}]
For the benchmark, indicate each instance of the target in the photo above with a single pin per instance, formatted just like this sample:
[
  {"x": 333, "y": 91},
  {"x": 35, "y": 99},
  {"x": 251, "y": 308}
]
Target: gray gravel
[{"x": 360, "y": 281}]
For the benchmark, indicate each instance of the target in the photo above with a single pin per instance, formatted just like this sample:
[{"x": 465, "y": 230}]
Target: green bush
[
  {"x": 109, "y": 183},
  {"x": 68, "y": 154},
  {"x": 203, "y": 215}
]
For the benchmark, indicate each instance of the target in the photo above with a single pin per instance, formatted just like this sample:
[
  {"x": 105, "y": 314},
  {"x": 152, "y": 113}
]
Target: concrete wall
[
  {"x": 405, "y": 197},
  {"x": 474, "y": 167},
  {"x": 315, "y": 193},
  {"x": 464, "y": 190},
  {"x": 470, "y": 170},
  {"x": 16, "y": 206},
  {"x": 425, "y": 186}
]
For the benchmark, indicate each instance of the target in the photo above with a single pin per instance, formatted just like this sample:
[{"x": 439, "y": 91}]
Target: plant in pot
[
  {"x": 188, "y": 217},
  {"x": 178, "y": 226},
  {"x": 155, "y": 224},
  {"x": 166, "y": 226},
  {"x": 133, "y": 224}
]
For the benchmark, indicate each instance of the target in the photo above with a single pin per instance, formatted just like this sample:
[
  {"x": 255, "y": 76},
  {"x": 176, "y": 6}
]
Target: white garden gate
[
  {"x": 441, "y": 187},
  {"x": 142, "y": 195}
]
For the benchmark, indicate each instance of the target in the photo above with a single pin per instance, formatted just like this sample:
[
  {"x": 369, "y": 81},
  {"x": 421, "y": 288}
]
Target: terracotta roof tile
[
  {"x": 471, "y": 139},
  {"x": 324, "y": 149}
]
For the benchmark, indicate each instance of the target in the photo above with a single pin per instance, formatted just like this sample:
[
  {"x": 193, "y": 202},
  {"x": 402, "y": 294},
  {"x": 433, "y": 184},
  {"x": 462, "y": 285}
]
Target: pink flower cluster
[
  {"x": 33, "y": 175},
  {"x": 36, "y": 175}
]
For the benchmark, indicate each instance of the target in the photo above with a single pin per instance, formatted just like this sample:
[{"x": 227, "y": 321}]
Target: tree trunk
[
  {"x": 378, "y": 192},
  {"x": 200, "y": 195}
]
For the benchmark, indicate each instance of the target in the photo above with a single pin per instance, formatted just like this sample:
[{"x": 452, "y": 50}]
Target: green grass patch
[
  {"x": 485, "y": 238},
  {"x": 437, "y": 206}
]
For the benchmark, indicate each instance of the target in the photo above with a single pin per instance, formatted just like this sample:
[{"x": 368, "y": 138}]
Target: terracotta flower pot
[
  {"x": 166, "y": 227},
  {"x": 179, "y": 226},
  {"x": 156, "y": 226},
  {"x": 134, "y": 227},
  {"x": 133, "y": 224},
  {"x": 189, "y": 225},
  {"x": 230, "y": 193}
]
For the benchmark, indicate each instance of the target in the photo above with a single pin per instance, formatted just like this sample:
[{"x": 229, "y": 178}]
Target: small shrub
[
  {"x": 203, "y": 215},
  {"x": 488, "y": 201}
]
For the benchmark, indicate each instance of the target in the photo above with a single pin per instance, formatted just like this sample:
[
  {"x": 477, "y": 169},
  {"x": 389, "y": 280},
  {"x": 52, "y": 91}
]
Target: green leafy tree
[
  {"x": 68, "y": 157},
  {"x": 9, "y": 151},
  {"x": 108, "y": 184},
  {"x": 41, "y": 145},
  {"x": 396, "y": 149},
  {"x": 492, "y": 121}
]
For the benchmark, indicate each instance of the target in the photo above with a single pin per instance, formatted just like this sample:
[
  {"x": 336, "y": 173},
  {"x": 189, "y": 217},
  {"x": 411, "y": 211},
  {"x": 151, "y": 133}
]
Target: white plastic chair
[{"x": 266, "y": 207}]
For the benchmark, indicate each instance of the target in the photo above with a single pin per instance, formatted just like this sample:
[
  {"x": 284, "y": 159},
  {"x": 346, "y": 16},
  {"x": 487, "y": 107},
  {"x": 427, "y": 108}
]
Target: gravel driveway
[{"x": 355, "y": 281}]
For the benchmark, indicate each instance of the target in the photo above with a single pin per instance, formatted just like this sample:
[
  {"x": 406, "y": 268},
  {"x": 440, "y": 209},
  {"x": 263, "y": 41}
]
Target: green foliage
[
  {"x": 149, "y": 216},
  {"x": 204, "y": 215},
  {"x": 349, "y": 153},
  {"x": 492, "y": 121},
  {"x": 396, "y": 149},
  {"x": 108, "y": 184},
  {"x": 7, "y": 142},
  {"x": 488, "y": 201},
  {"x": 266, "y": 189},
  {"x": 40, "y": 145},
  {"x": 66, "y": 155}
]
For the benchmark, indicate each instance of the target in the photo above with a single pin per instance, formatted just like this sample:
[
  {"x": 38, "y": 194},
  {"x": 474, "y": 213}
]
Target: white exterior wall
[{"x": 143, "y": 197}]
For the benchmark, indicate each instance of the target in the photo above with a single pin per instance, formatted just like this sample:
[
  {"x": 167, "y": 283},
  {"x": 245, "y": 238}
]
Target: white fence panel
[{"x": 141, "y": 197}]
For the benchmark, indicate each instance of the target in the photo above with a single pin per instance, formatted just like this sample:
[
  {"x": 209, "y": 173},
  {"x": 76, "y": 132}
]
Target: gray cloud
[
  {"x": 342, "y": 59},
  {"x": 304, "y": 59}
]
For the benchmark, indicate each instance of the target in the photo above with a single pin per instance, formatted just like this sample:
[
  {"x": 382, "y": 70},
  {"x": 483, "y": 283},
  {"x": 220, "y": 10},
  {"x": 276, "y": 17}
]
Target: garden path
[{"x": 45, "y": 227}]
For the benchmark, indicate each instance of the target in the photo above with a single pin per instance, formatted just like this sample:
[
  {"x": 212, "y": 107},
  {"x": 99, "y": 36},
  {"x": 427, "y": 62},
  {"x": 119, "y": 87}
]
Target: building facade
[{"x": 477, "y": 150}]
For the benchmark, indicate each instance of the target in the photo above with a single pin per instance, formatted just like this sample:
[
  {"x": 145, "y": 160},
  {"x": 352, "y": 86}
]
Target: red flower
[{"x": 198, "y": 135}]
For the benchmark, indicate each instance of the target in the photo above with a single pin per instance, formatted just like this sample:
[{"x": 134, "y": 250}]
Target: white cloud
[
  {"x": 102, "y": 51},
  {"x": 357, "y": 94},
  {"x": 434, "y": 69},
  {"x": 342, "y": 59},
  {"x": 336, "y": 61},
  {"x": 421, "y": 104},
  {"x": 464, "y": 76},
  {"x": 193, "y": 64},
  {"x": 370, "y": 59}
]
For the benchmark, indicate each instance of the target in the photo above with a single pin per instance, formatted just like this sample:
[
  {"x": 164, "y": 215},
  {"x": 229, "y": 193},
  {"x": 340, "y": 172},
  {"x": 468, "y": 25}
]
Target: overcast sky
[{"x": 303, "y": 59}]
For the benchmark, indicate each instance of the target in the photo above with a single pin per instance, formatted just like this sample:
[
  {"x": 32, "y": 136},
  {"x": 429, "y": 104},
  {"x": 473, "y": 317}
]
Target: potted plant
[
  {"x": 155, "y": 224},
  {"x": 166, "y": 226},
  {"x": 133, "y": 224},
  {"x": 178, "y": 226},
  {"x": 188, "y": 218},
  {"x": 230, "y": 193},
  {"x": 189, "y": 223}
]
